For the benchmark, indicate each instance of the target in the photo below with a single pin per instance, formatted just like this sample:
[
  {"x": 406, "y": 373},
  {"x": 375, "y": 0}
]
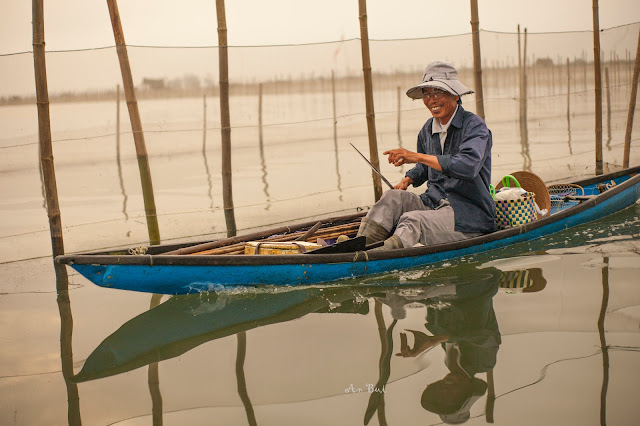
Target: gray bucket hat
[{"x": 441, "y": 75}]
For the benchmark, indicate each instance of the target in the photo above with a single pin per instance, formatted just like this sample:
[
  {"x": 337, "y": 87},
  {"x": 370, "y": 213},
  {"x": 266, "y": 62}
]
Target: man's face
[{"x": 441, "y": 103}]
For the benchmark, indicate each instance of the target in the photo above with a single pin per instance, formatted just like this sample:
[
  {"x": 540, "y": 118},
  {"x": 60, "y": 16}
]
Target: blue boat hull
[{"x": 191, "y": 274}]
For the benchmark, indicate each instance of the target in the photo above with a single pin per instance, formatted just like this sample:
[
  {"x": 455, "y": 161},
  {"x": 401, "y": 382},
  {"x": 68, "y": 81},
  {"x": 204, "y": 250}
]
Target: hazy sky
[{"x": 73, "y": 24}]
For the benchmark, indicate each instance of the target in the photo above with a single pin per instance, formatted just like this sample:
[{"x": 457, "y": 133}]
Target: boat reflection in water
[
  {"x": 459, "y": 318},
  {"x": 185, "y": 322}
]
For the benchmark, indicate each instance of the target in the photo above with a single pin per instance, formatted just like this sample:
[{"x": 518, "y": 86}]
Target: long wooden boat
[{"x": 211, "y": 265}]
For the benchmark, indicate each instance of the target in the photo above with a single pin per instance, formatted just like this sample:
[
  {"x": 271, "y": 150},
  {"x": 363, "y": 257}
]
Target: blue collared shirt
[{"x": 466, "y": 171}]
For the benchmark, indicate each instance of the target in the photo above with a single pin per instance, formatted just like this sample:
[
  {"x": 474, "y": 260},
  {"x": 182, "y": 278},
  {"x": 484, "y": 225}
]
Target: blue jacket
[{"x": 466, "y": 171}]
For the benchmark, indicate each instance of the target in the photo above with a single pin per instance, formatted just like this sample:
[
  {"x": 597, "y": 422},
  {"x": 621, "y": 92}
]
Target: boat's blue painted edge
[{"x": 182, "y": 279}]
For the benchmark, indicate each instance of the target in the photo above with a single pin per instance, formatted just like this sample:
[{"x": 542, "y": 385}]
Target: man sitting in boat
[{"x": 457, "y": 203}]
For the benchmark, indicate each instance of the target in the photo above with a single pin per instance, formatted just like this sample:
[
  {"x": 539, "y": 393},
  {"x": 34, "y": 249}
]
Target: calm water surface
[{"x": 544, "y": 333}]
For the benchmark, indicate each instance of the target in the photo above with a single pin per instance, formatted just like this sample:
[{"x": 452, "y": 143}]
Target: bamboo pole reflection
[
  {"x": 376, "y": 400},
  {"x": 491, "y": 397},
  {"x": 66, "y": 347},
  {"x": 603, "y": 342},
  {"x": 242, "y": 383},
  {"x": 153, "y": 378}
]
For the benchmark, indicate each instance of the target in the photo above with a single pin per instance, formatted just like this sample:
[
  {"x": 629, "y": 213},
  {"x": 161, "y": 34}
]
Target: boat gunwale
[{"x": 99, "y": 258}]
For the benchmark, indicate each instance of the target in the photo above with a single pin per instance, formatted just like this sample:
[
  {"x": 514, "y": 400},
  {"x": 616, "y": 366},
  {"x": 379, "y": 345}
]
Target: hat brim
[{"x": 452, "y": 86}]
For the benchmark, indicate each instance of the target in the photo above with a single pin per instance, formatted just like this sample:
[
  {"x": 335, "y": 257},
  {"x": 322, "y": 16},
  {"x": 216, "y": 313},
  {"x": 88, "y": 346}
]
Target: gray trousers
[{"x": 413, "y": 221}]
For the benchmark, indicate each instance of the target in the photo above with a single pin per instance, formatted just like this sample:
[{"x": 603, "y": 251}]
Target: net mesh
[{"x": 294, "y": 110}]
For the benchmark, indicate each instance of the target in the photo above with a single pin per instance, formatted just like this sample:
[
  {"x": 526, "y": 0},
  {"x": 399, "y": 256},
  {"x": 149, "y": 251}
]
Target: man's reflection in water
[{"x": 461, "y": 318}]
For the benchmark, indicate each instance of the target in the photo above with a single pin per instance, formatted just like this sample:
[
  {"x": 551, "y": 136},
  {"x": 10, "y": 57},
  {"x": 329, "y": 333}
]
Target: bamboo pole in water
[
  {"x": 598, "y": 86},
  {"x": 136, "y": 125},
  {"x": 260, "y": 134},
  {"x": 119, "y": 156},
  {"x": 44, "y": 132},
  {"x": 568, "y": 95},
  {"x": 368, "y": 93},
  {"x": 335, "y": 132},
  {"x": 118, "y": 122},
  {"x": 632, "y": 107},
  {"x": 333, "y": 104},
  {"x": 225, "y": 121},
  {"x": 569, "y": 106},
  {"x": 607, "y": 87},
  {"x": 204, "y": 124},
  {"x": 477, "y": 61},
  {"x": 524, "y": 129},
  {"x": 520, "y": 82}
]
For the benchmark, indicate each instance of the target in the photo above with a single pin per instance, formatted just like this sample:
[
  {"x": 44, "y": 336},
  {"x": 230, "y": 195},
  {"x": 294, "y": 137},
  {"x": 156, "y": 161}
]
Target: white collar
[{"x": 437, "y": 127}]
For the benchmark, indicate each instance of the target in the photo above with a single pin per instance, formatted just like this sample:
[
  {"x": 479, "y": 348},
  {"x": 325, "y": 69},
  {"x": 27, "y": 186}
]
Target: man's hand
[
  {"x": 400, "y": 156},
  {"x": 422, "y": 342},
  {"x": 404, "y": 183}
]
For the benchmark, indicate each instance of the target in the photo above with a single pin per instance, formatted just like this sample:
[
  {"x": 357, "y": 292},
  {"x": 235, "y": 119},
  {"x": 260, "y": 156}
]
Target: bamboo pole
[
  {"x": 260, "y": 138},
  {"x": 585, "y": 77},
  {"x": 333, "y": 104},
  {"x": 136, "y": 125},
  {"x": 598, "y": 86},
  {"x": 263, "y": 163},
  {"x": 568, "y": 91},
  {"x": 569, "y": 106},
  {"x": 119, "y": 156},
  {"x": 524, "y": 128},
  {"x": 118, "y": 120},
  {"x": 520, "y": 80},
  {"x": 204, "y": 124},
  {"x": 225, "y": 121},
  {"x": 632, "y": 106},
  {"x": 44, "y": 132},
  {"x": 608, "y": 93},
  {"x": 477, "y": 61},
  {"x": 399, "y": 101},
  {"x": 335, "y": 133},
  {"x": 368, "y": 93},
  {"x": 204, "y": 150}
]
